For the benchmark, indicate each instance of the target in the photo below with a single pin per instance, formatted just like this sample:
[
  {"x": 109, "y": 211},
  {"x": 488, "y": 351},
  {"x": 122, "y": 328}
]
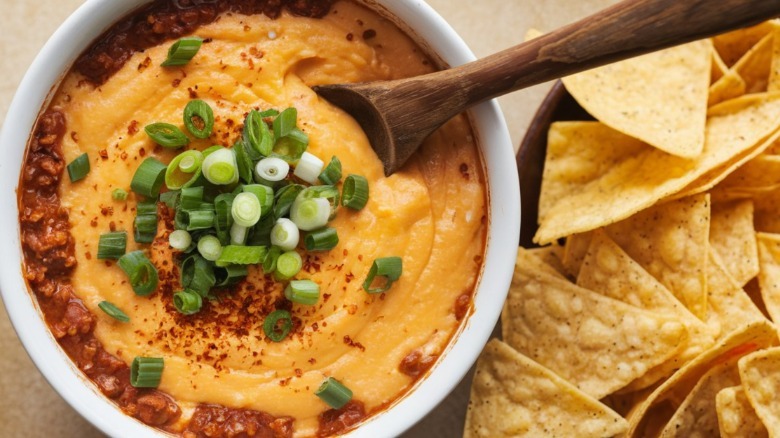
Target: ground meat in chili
[
  {"x": 415, "y": 364},
  {"x": 337, "y": 421},
  {"x": 214, "y": 421}
]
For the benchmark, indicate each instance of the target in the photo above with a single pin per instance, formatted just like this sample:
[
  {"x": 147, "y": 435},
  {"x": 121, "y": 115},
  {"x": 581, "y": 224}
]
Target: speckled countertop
[{"x": 28, "y": 405}]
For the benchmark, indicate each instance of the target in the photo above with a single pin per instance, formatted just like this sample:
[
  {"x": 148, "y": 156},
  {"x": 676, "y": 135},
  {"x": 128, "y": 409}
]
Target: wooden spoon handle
[{"x": 627, "y": 29}]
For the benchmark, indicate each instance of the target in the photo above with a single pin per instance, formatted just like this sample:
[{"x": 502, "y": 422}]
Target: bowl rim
[{"x": 56, "y": 58}]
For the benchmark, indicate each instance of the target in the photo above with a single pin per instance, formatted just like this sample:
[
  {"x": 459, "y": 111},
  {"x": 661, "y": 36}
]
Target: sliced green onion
[
  {"x": 291, "y": 148},
  {"x": 332, "y": 172},
  {"x": 355, "y": 192},
  {"x": 384, "y": 271},
  {"x": 187, "y": 302},
  {"x": 272, "y": 169},
  {"x": 246, "y": 209},
  {"x": 183, "y": 168},
  {"x": 180, "y": 240},
  {"x": 270, "y": 112},
  {"x": 223, "y": 218},
  {"x": 269, "y": 262},
  {"x": 310, "y": 214},
  {"x": 119, "y": 195},
  {"x": 145, "y": 223},
  {"x": 304, "y": 292},
  {"x": 257, "y": 135},
  {"x": 209, "y": 247},
  {"x": 285, "y": 234},
  {"x": 197, "y": 274},
  {"x": 199, "y": 219},
  {"x": 241, "y": 255},
  {"x": 112, "y": 245},
  {"x": 146, "y": 372},
  {"x": 243, "y": 162},
  {"x": 182, "y": 51},
  {"x": 285, "y": 198},
  {"x": 191, "y": 198},
  {"x": 220, "y": 167},
  {"x": 166, "y": 135},
  {"x": 140, "y": 271},
  {"x": 113, "y": 311},
  {"x": 170, "y": 198},
  {"x": 331, "y": 193},
  {"x": 334, "y": 393},
  {"x": 78, "y": 168},
  {"x": 264, "y": 194},
  {"x": 322, "y": 240},
  {"x": 149, "y": 178},
  {"x": 285, "y": 122},
  {"x": 232, "y": 274},
  {"x": 288, "y": 265},
  {"x": 309, "y": 168},
  {"x": 260, "y": 234},
  {"x": 238, "y": 234},
  {"x": 277, "y": 325},
  {"x": 146, "y": 208},
  {"x": 199, "y": 118}
]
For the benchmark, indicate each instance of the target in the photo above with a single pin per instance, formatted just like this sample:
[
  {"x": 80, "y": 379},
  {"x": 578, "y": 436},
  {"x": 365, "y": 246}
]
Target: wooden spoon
[{"x": 398, "y": 115}]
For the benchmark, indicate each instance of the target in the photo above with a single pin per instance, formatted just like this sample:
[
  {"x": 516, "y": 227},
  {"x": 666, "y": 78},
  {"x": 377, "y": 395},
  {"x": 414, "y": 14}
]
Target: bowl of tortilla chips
[{"x": 647, "y": 285}]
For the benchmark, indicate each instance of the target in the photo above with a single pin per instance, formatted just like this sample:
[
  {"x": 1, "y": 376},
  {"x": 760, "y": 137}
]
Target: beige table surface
[{"x": 28, "y": 405}]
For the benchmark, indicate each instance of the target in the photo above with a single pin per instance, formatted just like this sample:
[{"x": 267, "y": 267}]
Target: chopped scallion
[
  {"x": 231, "y": 274},
  {"x": 238, "y": 234},
  {"x": 243, "y": 162},
  {"x": 264, "y": 194},
  {"x": 209, "y": 247},
  {"x": 304, "y": 292},
  {"x": 332, "y": 172},
  {"x": 246, "y": 209},
  {"x": 309, "y": 168},
  {"x": 183, "y": 168},
  {"x": 285, "y": 234},
  {"x": 197, "y": 274},
  {"x": 310, "y": 213},
  {"x": 285, "y": 122},
  {"x": 113, "y": 311},
  {"x": 182, "y": 51},
  {"x": 140, "y": 271},
  {"x": 288, "y": 265},
  {"x": 285, "y": 198},
  {"x": 119, "y": 194},
  {"x": 277, "y": 325},
  {"x": 166, "y": 135},
  {"x": 149, "y": 178},
  {"x": 112, "y": 245},
  {"x": 334, "y": 393},
  {"x": 199, "y": 118},
  {"x": 146, "y": 372},
  {"x": 78, "y": 168},
  {"x": 272, "y": 169},
  {"x": 220, "y": 167},
  {"x": 323, "y": 239},
  {"x": 187, "y": 302},
  {"x": 355, "y": 192},
  {"x": 269, "y": 262},
  {"x": 241, "y": 255},
  {"x": 384, "y": 271},
  {"x": 145, "y": 222},
  {"x": 199, "y": 219},
  {"x": 180, "y": 240},
  {"x": 257, "y": 135}
]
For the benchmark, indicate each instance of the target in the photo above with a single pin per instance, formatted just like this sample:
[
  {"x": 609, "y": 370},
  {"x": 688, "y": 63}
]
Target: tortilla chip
[
  {"x": 578, "y": 153},
  {"x": 597, "y": 343},
  {"x": 758, "y": 176},
  {"x": 574, "y": 252},
  {"x": 732, "y": 46},
  {"x": 760, "y": 373},
  {"x": 736, "y": 417},
  {"x": 765, "y": 208},
  {"x": 512, "y": 395},
  {"x": 659, "y": 407},
  {"x": 729, "y": 86},
  {"x": 667, "y": 111},
  {"x": 769, "y": 275},
  {"x": 670, "y": 241},
  {"x": 730, "y": 307},
  {"x": 608, "y": 270},
  {"x": 551, "y": 256},
  {"x": 719, "y": 68},
  {"x": 754, "y": 67},
  {"x": 639, "y": 181},
  {"x": 774, "y": 69},
  {"x": 697, "y": 415},
  {"x": 733, "y": 238}
]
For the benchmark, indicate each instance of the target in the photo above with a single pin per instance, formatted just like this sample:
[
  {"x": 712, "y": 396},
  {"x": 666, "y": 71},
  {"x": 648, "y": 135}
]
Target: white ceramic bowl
[{"x": 54, "y": 60}]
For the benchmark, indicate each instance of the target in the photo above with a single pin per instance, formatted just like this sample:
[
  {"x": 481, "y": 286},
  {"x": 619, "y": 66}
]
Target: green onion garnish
[
  {"x": 246, "y": 209},
  {"x": 272, "y": 169},
  {"x": 264, "y": 194},
  {"x": 232, "y": 274},
  {"x": 331, "y": 193},
  {"x": 332, "y": 172},
  {"x": 197, "y": 274},
  {"x": 180, "y": 240},
  {"x": 183, "y": 169},
  {"x": 112, "y": 245},
  {"x": 199, "y": 219},
  {"x": 220, "y": 167},
  {"x": 79, "y": 167},
  {"x": 309, "y": 167},
  {"x": 310, "y": 213},
  {"x": 187, "y": 302},
  {"x": 285, "y": 122},
  {"x": 191, "y": 198},
  {"x": 384, "y": 271},
  {"x": 140, "y": 271},
  {"x": 149, "y": 178},
  {"x": 241, "y": 255},
  {"x": 209, "y": 247},
  {"x": 145, "y": 223},
  {"x": 113, "y": 311},
  {"x": 288, "y": 265},
  {"x": 170, "y": 198},
  {"x": 223, "y": 218},
  {"x": 238, "y": 234},
  {"x": 285, "y": 198},
  {"x": 355, "y": 192},
  {"x": 199, "y": 118},
  {"x": 146, "y": 372},
  {"x": 324, "y": 239},
  {"x": 304, "y": 292},
  {"x": 119, "y": 195},
  {"x": 292, "y": 147},
  {"x": 182, "y": 51},
  {"x": 334, "y": 393},
  {"x": 243, "y": 162},
  {"x": 269, "y": 262},
  {"x": 277, "y": 325},
  {"x": 285, "y": 234},
  {"x": 256, "y": 134},
  {"x": 166, "y": 135}
]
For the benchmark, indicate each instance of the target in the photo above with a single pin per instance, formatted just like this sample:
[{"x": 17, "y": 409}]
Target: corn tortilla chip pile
[{"x": 652, "y": 307}]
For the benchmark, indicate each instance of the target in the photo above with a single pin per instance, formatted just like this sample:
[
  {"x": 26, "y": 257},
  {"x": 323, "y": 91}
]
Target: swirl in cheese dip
[{"x": 222, "y": 374}]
